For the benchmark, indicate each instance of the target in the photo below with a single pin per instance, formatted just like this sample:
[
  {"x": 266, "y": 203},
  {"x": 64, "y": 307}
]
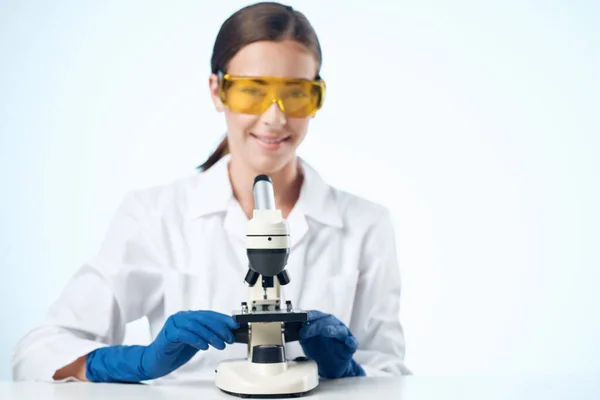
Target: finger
[
  {"x": 190, "y": 338},
  {"x": 216, "y": 325},
  {"x": 206, "y": 334},
  {"x": 314, "y": 315},
  {"x": 309, "y": 331},
  {"x": 224, "y": 319},
  {"x": 316, "y": 328},
  {"x": 220, "y": 329},
  {"x": 352, "y": 343},
  {"x": 337, "y": 332},
  {"x": 341, "y": 351}
]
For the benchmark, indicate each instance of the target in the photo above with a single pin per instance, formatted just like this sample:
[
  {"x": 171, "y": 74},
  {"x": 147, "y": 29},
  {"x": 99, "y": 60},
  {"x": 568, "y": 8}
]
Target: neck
[{"x": 286, "y": 185}]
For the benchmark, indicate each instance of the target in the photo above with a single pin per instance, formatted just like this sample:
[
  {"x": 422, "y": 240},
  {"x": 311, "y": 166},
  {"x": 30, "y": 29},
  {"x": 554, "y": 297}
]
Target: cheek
[
  {"x": 299, "y": 126},
  {"x": 239, "y": 124}
]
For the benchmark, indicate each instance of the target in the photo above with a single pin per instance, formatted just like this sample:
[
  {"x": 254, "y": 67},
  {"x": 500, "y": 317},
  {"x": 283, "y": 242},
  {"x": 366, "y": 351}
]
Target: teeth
[{"x": 270, "y": 140}]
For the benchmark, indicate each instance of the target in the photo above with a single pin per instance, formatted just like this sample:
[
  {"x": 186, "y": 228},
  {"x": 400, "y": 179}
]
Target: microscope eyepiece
[
  {"x": 262, "y": 178},
  {"x": 264, "y": 196}
]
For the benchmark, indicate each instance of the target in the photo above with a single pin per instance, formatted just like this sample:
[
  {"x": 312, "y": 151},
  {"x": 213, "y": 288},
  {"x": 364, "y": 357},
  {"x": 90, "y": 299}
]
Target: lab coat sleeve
[
  {"x": 375, "y": 320},
  {"x": 120, "y": 284}
]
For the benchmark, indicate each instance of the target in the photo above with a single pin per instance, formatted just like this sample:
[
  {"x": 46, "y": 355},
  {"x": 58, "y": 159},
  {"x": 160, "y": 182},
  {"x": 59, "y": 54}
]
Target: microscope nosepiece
[{"x": 268, "y": 262}]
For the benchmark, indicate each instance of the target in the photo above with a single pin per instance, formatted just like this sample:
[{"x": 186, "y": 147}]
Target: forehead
[{"x": 286, "y": 59}]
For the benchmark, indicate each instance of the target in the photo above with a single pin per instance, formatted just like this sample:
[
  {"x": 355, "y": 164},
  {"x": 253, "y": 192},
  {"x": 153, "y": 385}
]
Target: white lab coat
[{"x": 181, "y": 246}]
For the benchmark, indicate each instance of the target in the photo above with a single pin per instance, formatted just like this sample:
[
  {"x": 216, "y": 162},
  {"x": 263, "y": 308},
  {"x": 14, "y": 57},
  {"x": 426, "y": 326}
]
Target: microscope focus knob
[{"x": 268, "y": 354}]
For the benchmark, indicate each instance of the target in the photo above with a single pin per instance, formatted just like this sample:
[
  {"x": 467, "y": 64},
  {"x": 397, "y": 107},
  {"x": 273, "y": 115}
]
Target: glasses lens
[
  {"x": 246, "y": 96},
  {"x": 297, "y": 98}
]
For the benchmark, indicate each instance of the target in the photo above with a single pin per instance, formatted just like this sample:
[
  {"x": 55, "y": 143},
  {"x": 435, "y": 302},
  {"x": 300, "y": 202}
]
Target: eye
[
  {"x": 252, "y": 91},
  {"x": 298, "y": 93}
]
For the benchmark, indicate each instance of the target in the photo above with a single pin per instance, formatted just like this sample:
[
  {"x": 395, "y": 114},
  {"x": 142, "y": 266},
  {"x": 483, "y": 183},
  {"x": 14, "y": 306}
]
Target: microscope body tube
[
  {"x": 267, "y": 238},
  {"x": 264, "y": 195}
]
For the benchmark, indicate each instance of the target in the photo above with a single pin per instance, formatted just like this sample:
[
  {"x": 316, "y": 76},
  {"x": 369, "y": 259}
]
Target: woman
[{"x": 176, "y": 255}]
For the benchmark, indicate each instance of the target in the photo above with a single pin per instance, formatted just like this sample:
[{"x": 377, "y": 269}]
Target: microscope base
[{"x": 243, "y": 378}]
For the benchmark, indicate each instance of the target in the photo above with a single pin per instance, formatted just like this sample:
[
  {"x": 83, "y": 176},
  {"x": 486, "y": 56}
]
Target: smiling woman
[
  {"x": 265, "y": 40},
  {"x": 171, "y": 250},
  {"x": 268, "y": 103}
]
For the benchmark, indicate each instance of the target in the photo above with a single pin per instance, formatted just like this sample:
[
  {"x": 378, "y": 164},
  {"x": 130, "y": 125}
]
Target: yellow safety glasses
[{"x": 297, "y": 98}]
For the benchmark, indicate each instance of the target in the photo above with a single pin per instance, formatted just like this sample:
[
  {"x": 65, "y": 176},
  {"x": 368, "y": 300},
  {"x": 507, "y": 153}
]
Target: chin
[{"x": 270, "y": 164}]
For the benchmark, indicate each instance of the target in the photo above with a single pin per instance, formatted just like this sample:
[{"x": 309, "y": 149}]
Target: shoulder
[
  {"x": 193, "y": 195},
  {"x": 354, "y": 212},
  {"x": 368, "y": 222},
  {"x": 369, "y": 227},
  {"x": 356, "y": 208},
  {"x": 175, "y": 196}
]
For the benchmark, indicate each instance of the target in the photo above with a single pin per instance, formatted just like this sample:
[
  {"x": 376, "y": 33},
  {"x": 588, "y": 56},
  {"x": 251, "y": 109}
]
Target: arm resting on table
[
  {"x": 74, "y": 370},
  {"x": 122, "y": 283}
]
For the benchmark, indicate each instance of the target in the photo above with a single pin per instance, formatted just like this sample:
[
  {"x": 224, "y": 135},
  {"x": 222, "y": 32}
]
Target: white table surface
[{"x": 403, "y": 388}]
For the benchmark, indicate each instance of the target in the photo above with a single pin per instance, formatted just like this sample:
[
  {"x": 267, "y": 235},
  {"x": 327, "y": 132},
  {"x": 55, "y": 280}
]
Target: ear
[{"x": 213, "y": 85}]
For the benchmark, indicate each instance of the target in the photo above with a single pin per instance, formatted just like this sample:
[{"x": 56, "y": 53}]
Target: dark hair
[{"x": 257, "y": 22}]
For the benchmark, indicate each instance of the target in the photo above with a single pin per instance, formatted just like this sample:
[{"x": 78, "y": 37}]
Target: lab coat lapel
[
  {"x": 317, "y": 201},
  {"x": 235, "y": 221},
  {"x": 316, "y": 204},
  {"x": 213, "y": 197},
  {"x": 213, "y": 192}
]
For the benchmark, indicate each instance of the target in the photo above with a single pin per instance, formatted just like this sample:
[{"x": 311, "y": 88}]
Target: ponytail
[{"x": 221, "y": 151}]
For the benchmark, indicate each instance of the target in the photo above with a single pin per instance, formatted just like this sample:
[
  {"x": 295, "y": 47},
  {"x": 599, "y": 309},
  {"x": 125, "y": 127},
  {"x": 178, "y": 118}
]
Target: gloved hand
[
  {"x": 327, "y": 341},
  {"x": 182, "y": 336}
]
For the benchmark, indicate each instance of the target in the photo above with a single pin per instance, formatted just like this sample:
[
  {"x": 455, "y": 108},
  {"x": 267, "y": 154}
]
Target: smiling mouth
[{"x": 270, "y": 139}]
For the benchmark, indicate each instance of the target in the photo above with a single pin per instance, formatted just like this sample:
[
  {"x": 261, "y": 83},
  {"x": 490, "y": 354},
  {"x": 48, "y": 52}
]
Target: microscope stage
[
  {"x": 292, "y": 320},
  {"x": 271, "y": 316}
]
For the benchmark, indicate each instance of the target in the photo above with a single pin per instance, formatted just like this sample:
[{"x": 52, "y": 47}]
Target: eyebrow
[
  {"x": 260, "y": 81},
  {"x": 293, "y": 82}
]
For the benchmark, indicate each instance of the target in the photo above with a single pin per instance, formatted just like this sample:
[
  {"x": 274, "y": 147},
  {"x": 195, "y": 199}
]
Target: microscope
[{"x": 265, "y": 323}]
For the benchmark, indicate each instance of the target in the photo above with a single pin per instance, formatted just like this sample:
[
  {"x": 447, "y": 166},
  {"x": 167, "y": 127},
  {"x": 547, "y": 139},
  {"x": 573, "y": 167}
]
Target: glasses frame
[{"x": 317, "y": 82}]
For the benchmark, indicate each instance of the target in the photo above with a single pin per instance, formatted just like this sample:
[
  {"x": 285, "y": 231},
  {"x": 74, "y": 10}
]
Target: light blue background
[{"x": 476, "y": 122}]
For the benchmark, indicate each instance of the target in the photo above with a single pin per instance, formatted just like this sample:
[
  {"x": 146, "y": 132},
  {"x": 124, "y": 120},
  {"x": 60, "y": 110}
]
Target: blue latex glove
[
  {"x": 182, "y": 336},
  {"x": 327, "y": 341}
]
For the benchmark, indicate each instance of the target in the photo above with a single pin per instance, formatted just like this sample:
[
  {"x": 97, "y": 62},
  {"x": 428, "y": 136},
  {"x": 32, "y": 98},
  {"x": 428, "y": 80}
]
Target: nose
[{"x": 274, "y": 117}]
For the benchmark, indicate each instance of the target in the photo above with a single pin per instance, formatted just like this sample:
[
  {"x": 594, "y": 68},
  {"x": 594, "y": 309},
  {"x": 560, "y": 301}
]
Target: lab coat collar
[{"x": 214, "y": 194}]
